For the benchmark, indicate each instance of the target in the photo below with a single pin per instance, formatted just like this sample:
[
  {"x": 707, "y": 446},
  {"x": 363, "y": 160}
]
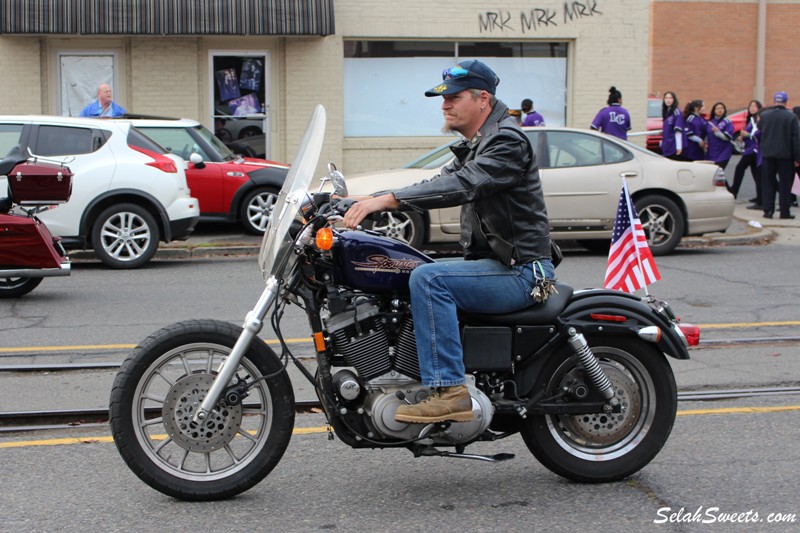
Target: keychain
[{"x": 544, "y": 287}]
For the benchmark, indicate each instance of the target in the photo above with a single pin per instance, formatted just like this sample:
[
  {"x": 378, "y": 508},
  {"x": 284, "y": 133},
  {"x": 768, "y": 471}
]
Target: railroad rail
[{"x": 17, "y": 421}]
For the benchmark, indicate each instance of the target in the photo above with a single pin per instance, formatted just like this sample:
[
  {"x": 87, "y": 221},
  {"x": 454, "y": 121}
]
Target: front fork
[{"x": 250, "y": 329}]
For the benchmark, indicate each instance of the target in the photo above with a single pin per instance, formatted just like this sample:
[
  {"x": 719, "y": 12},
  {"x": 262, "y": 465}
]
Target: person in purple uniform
[
  {"x": 614, "y": 119},
  {"x": 672, "y": 127},
  {"x": 532, "y": 118},
  {"x": 749, "y": 155},
  {"x": 720, "y": 136},
  {"x": 694, "y": 129}
]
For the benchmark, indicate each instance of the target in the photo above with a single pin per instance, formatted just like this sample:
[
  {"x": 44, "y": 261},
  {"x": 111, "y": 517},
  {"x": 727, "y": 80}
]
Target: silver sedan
[{"x": 581, "y": 176}]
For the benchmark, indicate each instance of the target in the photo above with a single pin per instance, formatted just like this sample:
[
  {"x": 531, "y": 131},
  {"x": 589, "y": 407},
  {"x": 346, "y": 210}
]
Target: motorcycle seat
[
  {"x": 545, "y": 313},
  {"x": 17, "y": 155}
]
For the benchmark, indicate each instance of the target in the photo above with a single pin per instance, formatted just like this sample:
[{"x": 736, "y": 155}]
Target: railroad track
[{"x": 16, "y": 421}]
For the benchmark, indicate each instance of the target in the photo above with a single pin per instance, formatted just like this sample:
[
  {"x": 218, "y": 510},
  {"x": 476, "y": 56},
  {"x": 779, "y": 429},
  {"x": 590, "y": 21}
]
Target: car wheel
[
  {"x": 256, "y": 210},
  {"x": 249, "y": 132},
  {"x": 125, "y": 236},
  {"x": 663, "y": 222},
  {"x": 407, "y": 227}
]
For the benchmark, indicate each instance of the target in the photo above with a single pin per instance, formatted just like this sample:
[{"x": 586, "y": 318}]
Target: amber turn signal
[{"x": 324, "y": 238}]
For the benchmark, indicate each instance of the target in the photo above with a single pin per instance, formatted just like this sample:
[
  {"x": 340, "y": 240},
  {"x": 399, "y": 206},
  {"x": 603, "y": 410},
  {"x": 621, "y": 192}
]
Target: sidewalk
[{"x": 748, "y": 228}]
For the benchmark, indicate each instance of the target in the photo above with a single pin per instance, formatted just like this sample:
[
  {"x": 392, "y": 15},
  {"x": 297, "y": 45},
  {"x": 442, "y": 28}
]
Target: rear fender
[{"x": 636, "y": 312}]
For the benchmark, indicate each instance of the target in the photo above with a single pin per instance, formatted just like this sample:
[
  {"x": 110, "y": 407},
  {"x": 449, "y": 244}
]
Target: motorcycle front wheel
[
  {"x": 159, "y": 388},
  {"x": 599, "y": 448}
]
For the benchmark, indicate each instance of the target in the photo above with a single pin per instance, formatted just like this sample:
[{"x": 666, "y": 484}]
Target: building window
[
  {"x": 80, "y": 74},
  {"x": 384, "y": 82},
  {"x": 241, "y": 99}
]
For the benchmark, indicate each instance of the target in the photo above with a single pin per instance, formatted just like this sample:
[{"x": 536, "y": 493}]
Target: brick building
[
  {"x": 725, "y": 50},
  {"x": 369, "y": 61}
]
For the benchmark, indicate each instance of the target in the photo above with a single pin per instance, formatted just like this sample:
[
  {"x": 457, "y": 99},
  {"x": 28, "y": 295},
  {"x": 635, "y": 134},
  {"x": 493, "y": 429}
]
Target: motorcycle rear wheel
[
  {"x": 160, "y": 386},
  {"x": 13, "y": 287},
  {"x": 606, "y": 447}
]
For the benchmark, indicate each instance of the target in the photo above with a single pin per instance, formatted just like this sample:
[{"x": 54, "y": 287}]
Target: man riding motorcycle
[{"x": 504, "y": 232}]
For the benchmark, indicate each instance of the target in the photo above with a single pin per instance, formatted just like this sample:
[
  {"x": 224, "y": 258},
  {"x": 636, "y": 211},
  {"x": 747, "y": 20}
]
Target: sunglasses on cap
[{"x": 453, "y": 73}]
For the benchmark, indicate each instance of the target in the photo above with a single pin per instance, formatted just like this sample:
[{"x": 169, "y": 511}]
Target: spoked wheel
[
  {"x": 159, "y": 389},
  {"x": 13, "y": 287},
  {"x": 603, "y": 447}
]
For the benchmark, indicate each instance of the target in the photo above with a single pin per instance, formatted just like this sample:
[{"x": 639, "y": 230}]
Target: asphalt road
[{"x": 724, "y": 460}]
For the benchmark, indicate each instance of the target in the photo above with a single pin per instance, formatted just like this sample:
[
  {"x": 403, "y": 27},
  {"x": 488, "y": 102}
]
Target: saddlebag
[{"x": 40, "y": 183}]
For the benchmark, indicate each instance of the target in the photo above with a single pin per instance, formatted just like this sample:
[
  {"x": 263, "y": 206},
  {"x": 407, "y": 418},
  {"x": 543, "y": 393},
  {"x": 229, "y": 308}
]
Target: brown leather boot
[{"x": 448, "y": 403}]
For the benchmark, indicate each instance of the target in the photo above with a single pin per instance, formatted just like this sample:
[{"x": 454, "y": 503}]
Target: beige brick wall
[
  {"x": 607, "y": 46},
  {"x": 164, "y": 77},
  {"x": 21, "y": 83}
]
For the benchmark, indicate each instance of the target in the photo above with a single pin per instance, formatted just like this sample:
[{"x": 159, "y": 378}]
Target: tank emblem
[{"x": 382, "y": 263}]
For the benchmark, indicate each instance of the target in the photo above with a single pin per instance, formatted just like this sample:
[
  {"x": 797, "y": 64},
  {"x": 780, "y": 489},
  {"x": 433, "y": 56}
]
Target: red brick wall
[{"x": 707, "y": 50}]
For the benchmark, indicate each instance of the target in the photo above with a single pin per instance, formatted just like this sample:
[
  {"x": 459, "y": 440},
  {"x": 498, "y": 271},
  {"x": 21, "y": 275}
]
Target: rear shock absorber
[{"x": 596, "y": 375}]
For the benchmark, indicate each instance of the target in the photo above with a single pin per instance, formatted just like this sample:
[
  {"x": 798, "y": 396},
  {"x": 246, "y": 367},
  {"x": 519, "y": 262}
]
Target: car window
[
  {"x": 9, "y": 137},
  {"x": 224, "y": 152},
  {"x": 570, "y": 149},
  {"x": 613, "y": 153},
  {"x": 654, "y": 108},
  {"x": 433, "y": 159},
  {"x": 175, "y": 140},
  {"x": 64, "y": 140},
  {"x": 140, "y": 140}
]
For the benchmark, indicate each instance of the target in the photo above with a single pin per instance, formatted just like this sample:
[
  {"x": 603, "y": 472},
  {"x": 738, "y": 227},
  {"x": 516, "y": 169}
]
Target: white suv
[{"x": 128, "y": 193}]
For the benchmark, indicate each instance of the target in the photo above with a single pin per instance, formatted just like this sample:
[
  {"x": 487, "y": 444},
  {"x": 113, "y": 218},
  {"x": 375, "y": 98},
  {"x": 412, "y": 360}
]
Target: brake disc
[{"x": 182, "y": 402}]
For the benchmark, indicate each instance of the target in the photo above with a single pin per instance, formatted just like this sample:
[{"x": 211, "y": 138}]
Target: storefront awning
[{"x": 167, "y": 17}]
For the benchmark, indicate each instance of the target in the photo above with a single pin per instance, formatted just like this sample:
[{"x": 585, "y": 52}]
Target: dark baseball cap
[
  {"x": 470, "y": 74},
  {"x": 781, "y": 97}
]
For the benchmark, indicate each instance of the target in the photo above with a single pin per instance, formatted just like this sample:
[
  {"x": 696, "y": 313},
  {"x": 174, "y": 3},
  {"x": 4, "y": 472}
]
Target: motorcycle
[
  {"x": 28, "y": 252},
  {"x": 204, "y": 410}
]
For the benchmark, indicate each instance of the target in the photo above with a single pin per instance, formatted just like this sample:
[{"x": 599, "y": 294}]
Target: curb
[{"x": 173, "y": 251}]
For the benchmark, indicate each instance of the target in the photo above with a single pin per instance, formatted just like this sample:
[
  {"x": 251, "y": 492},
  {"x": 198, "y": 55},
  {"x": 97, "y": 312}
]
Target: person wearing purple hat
[
  {"x": 780, "y": 148},
  {"x": 504, "y": 231}
]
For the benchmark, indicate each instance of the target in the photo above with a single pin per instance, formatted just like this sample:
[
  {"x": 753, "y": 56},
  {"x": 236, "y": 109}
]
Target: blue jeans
[{"x": 481, "y": 286}]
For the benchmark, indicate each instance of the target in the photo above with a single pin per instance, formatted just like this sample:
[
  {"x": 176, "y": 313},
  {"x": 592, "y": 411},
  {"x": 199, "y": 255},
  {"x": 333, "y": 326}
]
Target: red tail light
[
  {"x": 719, "y": 178},
  {"x": 162, "y": 163},
  {"x": 691, "y": 332}
]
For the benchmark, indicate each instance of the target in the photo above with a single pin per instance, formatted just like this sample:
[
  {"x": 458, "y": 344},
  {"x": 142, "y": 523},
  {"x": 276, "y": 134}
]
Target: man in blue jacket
[{"x": 103, "y": 107}]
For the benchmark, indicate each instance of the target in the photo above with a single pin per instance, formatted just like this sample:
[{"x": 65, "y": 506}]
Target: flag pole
[{"x": 629, "y": 202}]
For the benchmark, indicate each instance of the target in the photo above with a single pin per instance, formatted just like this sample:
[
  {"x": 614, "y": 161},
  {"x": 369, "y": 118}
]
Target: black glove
[{"x": 341, "y": 205}]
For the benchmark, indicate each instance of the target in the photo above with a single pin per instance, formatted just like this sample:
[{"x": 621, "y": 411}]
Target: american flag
[{"x": 630, "y": 262}]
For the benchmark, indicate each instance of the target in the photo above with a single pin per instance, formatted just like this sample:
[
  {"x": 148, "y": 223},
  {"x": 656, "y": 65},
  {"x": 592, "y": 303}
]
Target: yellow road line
[
  {"x": 315, "y": 430},
  {"x": 112, "y": 346},
  {"x": 23, "y": 349},
  {"x": 733, "y": 325},
  {"x": 107, "y": 439}
]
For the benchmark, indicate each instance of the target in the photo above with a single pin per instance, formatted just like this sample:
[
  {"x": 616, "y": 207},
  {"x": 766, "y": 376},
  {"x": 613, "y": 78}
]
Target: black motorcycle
[{"x": 204, "y": 410}]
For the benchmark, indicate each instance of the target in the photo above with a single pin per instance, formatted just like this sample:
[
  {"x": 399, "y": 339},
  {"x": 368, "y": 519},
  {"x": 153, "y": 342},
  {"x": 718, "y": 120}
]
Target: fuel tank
[{"x": 373, "y": 263}]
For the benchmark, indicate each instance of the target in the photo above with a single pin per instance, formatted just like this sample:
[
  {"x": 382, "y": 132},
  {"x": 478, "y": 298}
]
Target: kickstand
[{"x": 430, "y": 451}]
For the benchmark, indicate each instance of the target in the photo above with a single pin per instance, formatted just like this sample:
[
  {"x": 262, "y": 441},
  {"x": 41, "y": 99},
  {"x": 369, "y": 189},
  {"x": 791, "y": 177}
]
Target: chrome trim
[{"x": 62, "y": 270}]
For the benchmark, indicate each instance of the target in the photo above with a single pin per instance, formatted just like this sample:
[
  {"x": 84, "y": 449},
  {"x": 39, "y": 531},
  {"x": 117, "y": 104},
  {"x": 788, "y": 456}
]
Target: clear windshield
[{"x": 276, "y": 241}]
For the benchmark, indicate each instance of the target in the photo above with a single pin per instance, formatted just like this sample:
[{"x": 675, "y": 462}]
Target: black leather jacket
[
  {"x": 496, "y": 181},
  {"x": 780, "y": 134}
]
